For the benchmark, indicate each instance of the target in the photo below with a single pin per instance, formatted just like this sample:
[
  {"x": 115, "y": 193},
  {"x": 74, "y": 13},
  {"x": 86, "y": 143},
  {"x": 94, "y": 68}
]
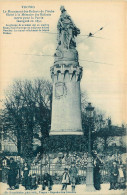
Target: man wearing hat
[{"x": 96, "y": 173}]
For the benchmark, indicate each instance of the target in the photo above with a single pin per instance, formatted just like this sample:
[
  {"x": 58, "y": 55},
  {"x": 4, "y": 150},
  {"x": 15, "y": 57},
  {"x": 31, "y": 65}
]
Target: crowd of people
[
  {"x": 117, "y": 177},
  {"x": 30, "y": 182},
  {"x": 69, "y": 177}
]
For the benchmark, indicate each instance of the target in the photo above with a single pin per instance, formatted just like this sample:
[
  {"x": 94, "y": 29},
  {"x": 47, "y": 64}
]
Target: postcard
[{"x": 63, "y": 97}]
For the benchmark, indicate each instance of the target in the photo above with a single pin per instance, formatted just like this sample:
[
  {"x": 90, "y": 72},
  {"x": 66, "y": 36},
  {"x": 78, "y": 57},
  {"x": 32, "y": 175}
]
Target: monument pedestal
[{"x": 66, "y": 102}]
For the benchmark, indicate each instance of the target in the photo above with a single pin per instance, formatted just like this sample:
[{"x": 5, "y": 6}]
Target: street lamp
[{"x": 89, "y": 171}]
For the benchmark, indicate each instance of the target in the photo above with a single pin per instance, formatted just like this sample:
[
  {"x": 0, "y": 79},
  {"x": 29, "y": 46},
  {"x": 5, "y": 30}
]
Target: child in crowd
[
  {"x": 121, "y": 178},
  {"x": 47, "y": 181},
  {"x": 33, "y": 182},
  {"x": 65, "y": 179}
]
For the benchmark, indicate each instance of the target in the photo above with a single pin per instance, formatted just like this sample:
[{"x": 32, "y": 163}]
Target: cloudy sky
[{"x": 104, "y": 81}]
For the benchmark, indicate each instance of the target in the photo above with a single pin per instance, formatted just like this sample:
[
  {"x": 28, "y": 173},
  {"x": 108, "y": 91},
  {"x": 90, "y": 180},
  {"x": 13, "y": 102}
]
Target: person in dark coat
[
  {"x": 26, "y": 169},
  {"x": 73, "y": 176},
  {"x": 12, "y": 174},
  {"x": 114, "y": 176},
  {"x": 33, "y": 182},
  {"x": 29, "y": 182},
  {"x": 97, "y": 175},
  {"x": 47, "y": 181}
]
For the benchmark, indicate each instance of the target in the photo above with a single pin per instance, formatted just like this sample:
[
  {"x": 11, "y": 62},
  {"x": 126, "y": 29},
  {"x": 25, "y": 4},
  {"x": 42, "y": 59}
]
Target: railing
[{"x": 56, "y": 170}]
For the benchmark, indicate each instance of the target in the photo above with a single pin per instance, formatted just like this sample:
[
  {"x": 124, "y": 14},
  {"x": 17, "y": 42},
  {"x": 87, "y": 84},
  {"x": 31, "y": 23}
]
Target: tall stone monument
[{"x": 66, "y": 74}]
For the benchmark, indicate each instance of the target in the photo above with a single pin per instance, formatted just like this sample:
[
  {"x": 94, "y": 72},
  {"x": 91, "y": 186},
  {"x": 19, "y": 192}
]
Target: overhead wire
[
  {"x": 91, "y": 61},
  {"x": 90, "y": 35},
  {"x": 95, "y": 61},
  {"x": 36, "y": 55},
  {"x": 87, "y": 36}
]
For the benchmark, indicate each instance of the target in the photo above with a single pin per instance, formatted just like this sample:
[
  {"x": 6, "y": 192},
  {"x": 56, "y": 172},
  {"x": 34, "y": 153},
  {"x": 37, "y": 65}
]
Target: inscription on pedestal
[{"x": 60, "y": 90}]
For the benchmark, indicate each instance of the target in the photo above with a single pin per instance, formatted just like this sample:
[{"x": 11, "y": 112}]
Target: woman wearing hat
[
  {"x": 12, "y": 174},
  {"x": 26, "y": 169}
]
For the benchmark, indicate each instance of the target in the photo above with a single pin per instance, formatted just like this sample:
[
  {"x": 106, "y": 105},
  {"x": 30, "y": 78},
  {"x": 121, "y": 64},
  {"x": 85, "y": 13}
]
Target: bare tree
[{"x": 27, "y": 110}]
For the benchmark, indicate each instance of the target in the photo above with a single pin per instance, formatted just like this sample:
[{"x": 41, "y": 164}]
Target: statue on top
[{"x": 67, "y": 31}]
